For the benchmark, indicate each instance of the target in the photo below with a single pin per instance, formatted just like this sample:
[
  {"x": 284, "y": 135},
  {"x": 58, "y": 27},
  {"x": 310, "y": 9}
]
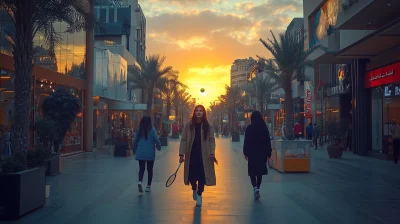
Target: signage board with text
[{"x": 383, "y": 76}]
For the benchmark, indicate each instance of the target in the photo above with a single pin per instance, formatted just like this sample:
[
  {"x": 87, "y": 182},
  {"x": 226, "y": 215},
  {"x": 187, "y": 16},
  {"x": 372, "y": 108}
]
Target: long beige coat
[{"x": 207, "y": 148}]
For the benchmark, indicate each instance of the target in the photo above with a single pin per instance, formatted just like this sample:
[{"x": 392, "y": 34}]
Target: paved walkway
[{"x": 98, "y": 188}]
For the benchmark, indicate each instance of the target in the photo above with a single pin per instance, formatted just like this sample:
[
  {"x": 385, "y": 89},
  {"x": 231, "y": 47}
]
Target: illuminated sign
[{"x": 383, "y": 76}]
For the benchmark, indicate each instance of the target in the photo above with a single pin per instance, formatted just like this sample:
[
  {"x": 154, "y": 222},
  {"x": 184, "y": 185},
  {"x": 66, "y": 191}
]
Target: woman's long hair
[
  {"x": 206, "y": 125},
  {"x": 258, "y": 122},
  {"x": 144, "y": 127}
]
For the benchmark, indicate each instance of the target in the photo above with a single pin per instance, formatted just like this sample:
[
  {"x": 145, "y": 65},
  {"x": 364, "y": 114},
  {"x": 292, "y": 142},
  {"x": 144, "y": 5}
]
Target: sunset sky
[{"x": 202, "y": 38}]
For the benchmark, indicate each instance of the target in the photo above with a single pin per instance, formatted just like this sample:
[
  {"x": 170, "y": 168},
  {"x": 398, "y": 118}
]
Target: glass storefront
[
  {"x": 376, "y": 118},
  {"x": 69, "y": 54}
]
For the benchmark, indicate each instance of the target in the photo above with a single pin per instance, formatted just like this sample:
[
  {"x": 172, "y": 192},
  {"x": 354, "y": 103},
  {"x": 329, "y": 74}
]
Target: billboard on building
[{"x": 307, "y": 99}]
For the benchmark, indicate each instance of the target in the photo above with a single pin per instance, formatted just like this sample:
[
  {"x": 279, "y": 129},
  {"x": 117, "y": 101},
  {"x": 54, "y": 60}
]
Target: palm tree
[
  {"x": 168, "y": 88},
  {"x": 147, "y": 74},
  {"x": 182, "y": 103},
  {"x": 288, "y": 57},
  {"x": 180, "y": 95},
  {"x": 261, "y": 88},
  {"x": 30, "y": 18},
  {"x": 231, "y": 98}
]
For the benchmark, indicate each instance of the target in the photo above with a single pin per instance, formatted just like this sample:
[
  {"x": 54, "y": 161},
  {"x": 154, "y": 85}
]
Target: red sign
[
  {"x": 383, "y": 76},
  {"x": 308, "y": 99}
]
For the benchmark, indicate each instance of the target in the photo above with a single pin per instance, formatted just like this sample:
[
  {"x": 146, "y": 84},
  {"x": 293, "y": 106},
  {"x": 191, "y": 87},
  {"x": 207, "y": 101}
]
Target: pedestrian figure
[
  {"x": 297, "y": 130},
  {"x": 144, "y": 143},
  {"x": 395, "y": 131},
  {"x": 257, "y": 150},
  {"x": 197, "y": 150},
  {"x": 309, "y": 131},
  {"x": 315, "y": 135}
]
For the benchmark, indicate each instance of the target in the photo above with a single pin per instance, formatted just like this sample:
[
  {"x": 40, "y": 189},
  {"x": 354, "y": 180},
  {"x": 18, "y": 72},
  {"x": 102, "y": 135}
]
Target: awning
[
  {"x": 374, "y": 44},
  {"x": 121, "y": 105}
]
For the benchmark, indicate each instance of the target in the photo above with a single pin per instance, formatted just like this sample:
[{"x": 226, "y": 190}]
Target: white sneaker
[
  {"x": 199, "y": 201},
  {"x": 256, "y": 193},
  {"x": 140, "y": 187},
  {"x": 148, "y": 189},
  {"x": 195, "y": 195}
]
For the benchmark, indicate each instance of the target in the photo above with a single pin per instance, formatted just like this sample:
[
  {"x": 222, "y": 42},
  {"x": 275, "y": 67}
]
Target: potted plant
[
  {"x": 235, "y": 136},
  {"x": 61, "y": 107},
  {"x": 46, "y": 129},
  {"x": 335, "y": 150},
  {"x": 23, "y": 188}
]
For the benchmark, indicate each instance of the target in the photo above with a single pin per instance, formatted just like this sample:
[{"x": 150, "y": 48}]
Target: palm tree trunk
[
  {"x": 150, "y": 94},
  {"x": 289, "y": 122},
  {"x": 168, "y": 112},
  {"x": 23, "y": 57}
]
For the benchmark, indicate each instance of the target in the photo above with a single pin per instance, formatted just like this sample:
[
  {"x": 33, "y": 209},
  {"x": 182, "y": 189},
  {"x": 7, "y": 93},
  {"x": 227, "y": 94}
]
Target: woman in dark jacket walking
[{"x": 257, "y": 150}]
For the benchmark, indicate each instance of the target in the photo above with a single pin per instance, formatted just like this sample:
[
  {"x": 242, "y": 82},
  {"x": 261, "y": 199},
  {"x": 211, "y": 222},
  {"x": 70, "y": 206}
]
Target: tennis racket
[{"x": 172, "y": 178}]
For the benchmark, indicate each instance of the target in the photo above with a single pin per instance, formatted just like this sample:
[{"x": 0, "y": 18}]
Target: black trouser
[
  {"x": 142, "y": 167},
  {"x": 297, "y": 136},
  {"x": 256, "y": 181},
  {"x": 309, "y": 137},
  {"x": 396, "y": 147},
  {"x": 316, "y": 142},
  {"x": 197, "y": 178}
]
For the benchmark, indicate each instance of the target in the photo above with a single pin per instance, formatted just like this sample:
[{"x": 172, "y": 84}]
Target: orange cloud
[{"x": 201, "y": 39}]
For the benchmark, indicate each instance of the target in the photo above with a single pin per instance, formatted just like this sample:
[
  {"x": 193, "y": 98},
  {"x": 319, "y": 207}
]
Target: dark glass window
[
  {"x": 111, "y": 15},
  {"x": 103, "y": 13}
]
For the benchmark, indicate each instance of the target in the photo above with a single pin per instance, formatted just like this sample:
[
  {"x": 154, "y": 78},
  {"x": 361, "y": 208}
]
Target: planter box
[
  {"x": 120, "y": 149},
  {"x": 235, "y": 137},
  {"x": 53, "y": 166},
  {"x": 164, "y": 141},
  {"x": 175, "y": 136},
  {"x": 22, "y": 192},
  {"x": 335, "y": 151},
  {"x": 129, "y": 153},
  {"x": 291, "y": 155}
]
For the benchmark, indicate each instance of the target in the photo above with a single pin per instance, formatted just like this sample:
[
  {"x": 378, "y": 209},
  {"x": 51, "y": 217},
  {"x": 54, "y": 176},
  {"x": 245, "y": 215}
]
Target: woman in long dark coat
[{"x": 257, "y": 150}]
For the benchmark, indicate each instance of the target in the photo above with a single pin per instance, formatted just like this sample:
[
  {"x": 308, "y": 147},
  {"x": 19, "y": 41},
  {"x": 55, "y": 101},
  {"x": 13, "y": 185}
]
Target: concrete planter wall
[
  {"x": 291, "y": 155},
  {"x": 335, "y": 151},
  {"x": 121, "y": 149},
  {"x": 22, "y": 192},
  {"x": 235, "y": 137}
]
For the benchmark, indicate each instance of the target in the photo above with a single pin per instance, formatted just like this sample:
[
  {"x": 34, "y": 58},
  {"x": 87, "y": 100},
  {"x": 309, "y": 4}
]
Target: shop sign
[
  {"x": 308, "y": 99},
  {"x": 383, "y": 76},
  {"x": 338, "y": 90}
]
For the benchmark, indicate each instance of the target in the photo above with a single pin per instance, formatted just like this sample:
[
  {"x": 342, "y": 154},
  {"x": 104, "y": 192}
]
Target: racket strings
[{"x": 170, "y": 180}]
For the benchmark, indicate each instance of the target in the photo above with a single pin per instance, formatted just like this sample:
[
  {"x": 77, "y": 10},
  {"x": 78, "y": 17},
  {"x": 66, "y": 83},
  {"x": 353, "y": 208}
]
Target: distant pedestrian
[
  {"x": 395, "y": 130},
  {"x": 297, "y": 130},
  {"x": 257, "y": 150},
  {"x": 315, "y": 135},
  {"x": 144, "y": 144},
  {"x": 309, "y": 131},
  {"x": 197, "y": 150}
]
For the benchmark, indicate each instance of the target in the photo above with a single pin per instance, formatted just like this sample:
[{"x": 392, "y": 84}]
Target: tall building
[
  {"x": 241, "y": 71},
  {"x": 119, "y": 46},
  {"x": 357, "y": 73},
  {"x": 124, "y": 24},
  {"x": 296, "y": 28}
]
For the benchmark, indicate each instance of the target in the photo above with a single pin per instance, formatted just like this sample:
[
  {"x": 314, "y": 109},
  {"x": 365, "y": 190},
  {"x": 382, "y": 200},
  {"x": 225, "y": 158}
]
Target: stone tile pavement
[{"x": 98, "y": 188}]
